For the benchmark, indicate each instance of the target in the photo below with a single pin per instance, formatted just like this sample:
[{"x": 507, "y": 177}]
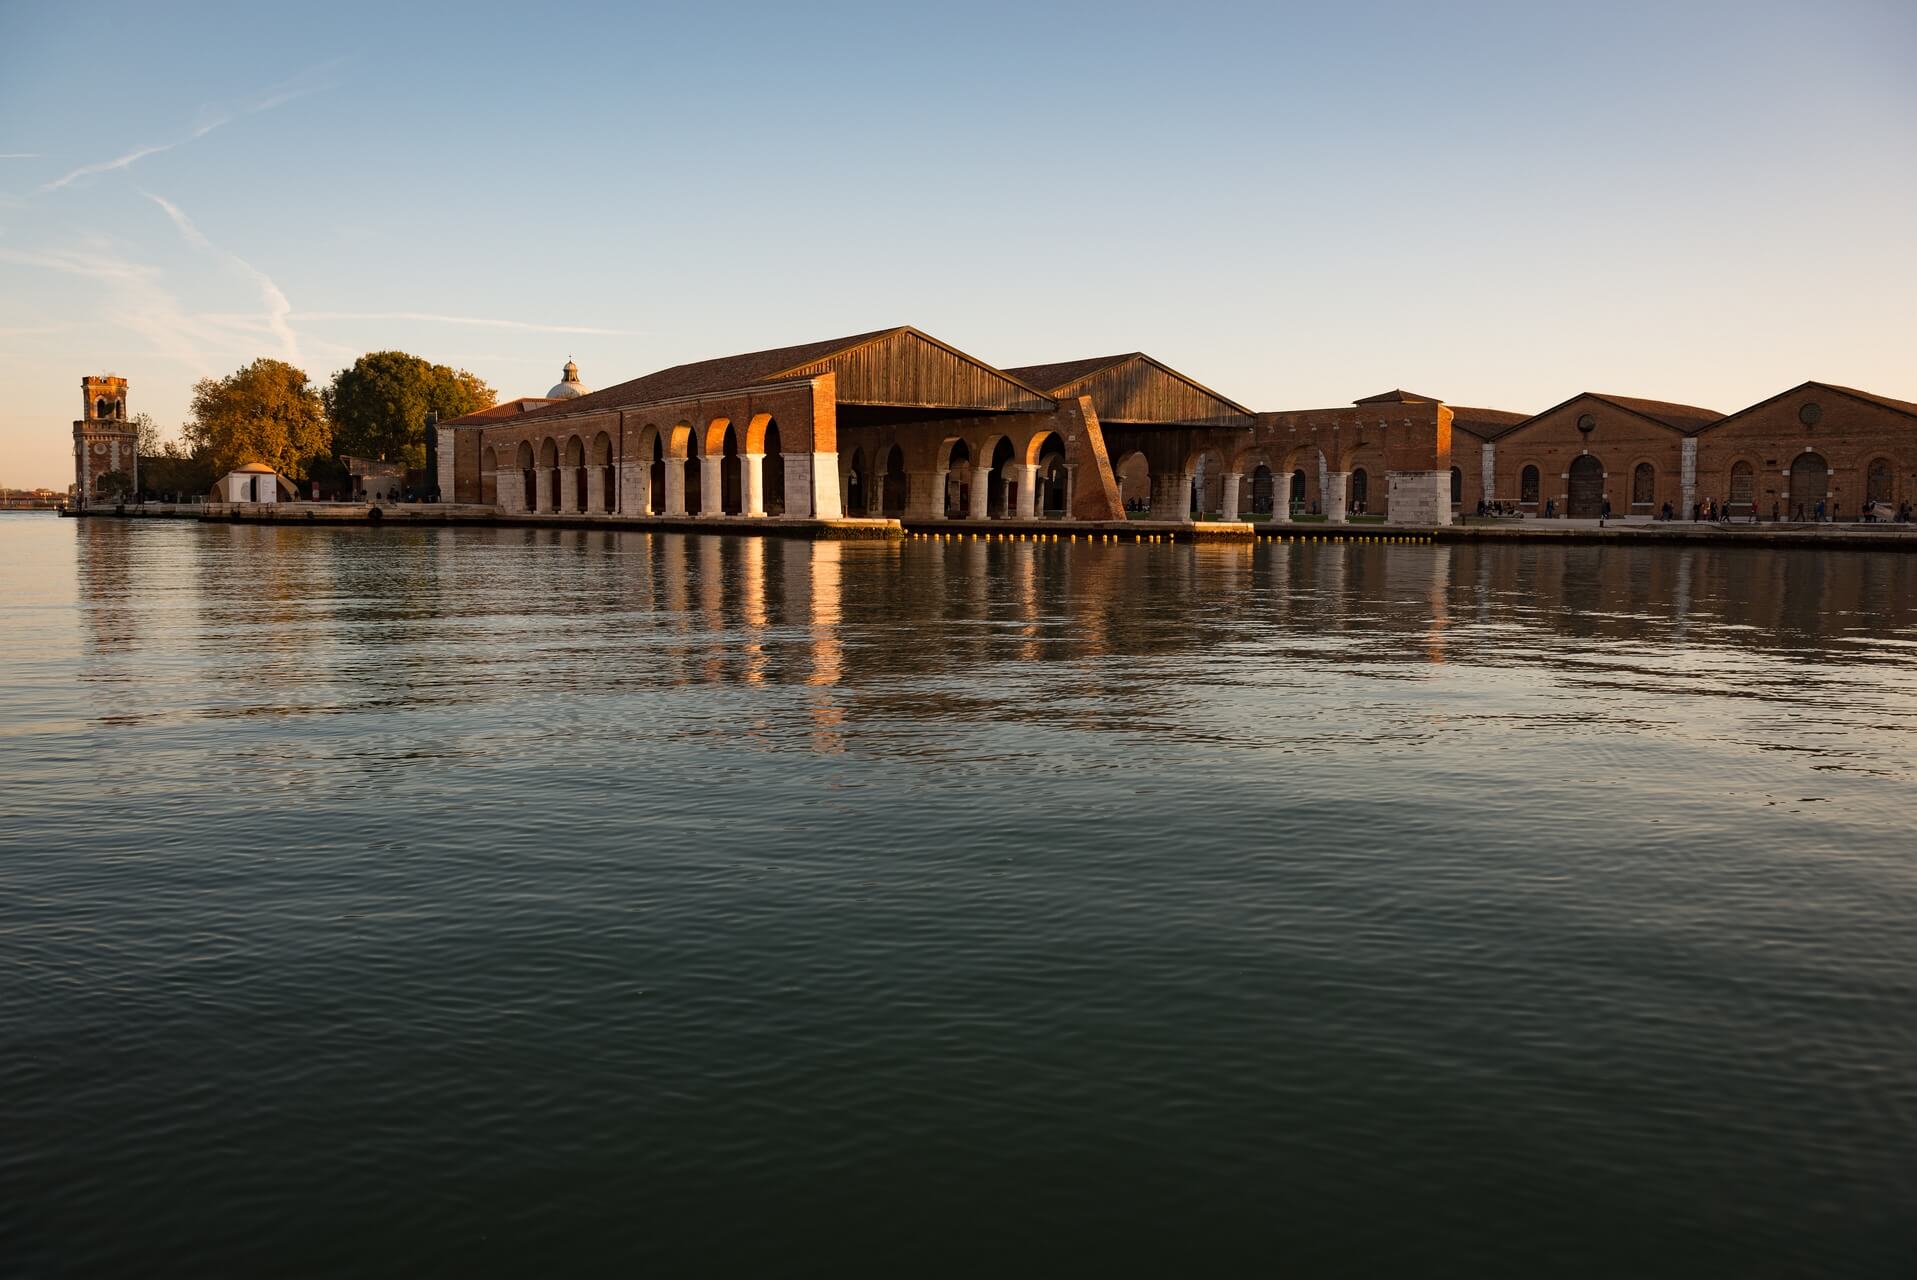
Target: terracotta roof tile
[
  {"x": 707, "y": 377},
  {"x": 1685, "y": 417}
]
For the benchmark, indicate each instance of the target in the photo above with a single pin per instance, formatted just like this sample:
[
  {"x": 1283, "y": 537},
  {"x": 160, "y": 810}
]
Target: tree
[
  {"x": 378, "y": 407},
  {"x": 112, "y": 484},
  {"x": 149, "y": 435},
  {"x": 265, "y": 412},
  {"x": 174, "y": 473}
]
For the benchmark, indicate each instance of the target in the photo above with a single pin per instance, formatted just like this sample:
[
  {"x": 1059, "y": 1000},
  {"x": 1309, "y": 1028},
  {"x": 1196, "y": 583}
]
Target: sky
[{"x": 1498, "y": 204}]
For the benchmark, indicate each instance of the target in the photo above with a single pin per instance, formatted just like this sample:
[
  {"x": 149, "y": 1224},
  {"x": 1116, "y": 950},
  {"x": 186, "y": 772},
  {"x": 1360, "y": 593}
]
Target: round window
[
  {"x": 1587, "y": 424},
  {"x": 1810, "y": 415}
]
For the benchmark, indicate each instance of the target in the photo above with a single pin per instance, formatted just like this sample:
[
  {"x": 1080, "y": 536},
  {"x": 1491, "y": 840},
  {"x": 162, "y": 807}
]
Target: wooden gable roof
[
  {"x": 1138, "y": 389},
  {"x": 898, "y": 366}
]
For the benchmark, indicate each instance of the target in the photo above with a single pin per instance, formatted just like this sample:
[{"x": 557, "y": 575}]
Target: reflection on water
[{"x": 393, "y": 899}]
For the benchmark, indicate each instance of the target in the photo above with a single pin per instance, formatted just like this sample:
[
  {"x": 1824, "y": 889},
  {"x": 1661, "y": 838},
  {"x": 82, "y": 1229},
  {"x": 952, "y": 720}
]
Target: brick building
[{"x": 104, "y": 441}]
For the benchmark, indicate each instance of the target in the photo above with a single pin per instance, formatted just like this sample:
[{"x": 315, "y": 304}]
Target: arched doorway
[
  {"x": 528, "y": 477},
  {"x": 892, "y": 485},
  {"x": 549, "y": 465},
  {"x": 489, "y": 475},
  {"x": 1457, "y": 487},
  {"x": 1297, "y": 498},
  {"x": 656, "y": 477},
  {"x": 1877, "y": 482},
  {"x": 694, "y": 479},
  {"x": 731, "y": 475},
  {"x": 957, "y": 461},
  {"x": 1001, "y": 493},
  {"x": 1360, "y": 490},
  {"x": 1586, "y": 500},
  {"x": 1643, "y": 488},
  {"x": 1743, "y": 495},
  {"x": 1051, "y": 477},
  {"x": 1810, "y": 483},
  {"x": 1527, "y": 487},
  {"x": 576, "y": 471},
  {"x": 1263, "y": 489},
  {"x": 772, "y": 485}
]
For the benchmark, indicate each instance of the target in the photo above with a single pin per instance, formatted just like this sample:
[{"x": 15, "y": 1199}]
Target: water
[{"x": 501, "y": 901}]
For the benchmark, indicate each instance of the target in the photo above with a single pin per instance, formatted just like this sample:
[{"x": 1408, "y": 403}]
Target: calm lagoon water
[{"x": 503, "y": 901}]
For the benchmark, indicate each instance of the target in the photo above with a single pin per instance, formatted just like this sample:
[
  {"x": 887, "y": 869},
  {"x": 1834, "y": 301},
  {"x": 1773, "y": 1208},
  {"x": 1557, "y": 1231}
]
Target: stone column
[
  {"x": 443, "y": 470},
  {"x": 595, "y": 489},
  {"x": 509, "y": 490},
  {"x": 822, "y": 483},
  {"x": 1487, "y": 472},
  {"x": 874, "y": 496},
  {"x": 1027, "y": 473},
  {"x": 675, "y": 486},
  {"x": 1228, "y": 501},
  {"x": 1418, "y": 497},
  {"x": 1171, "y": 496},
  {"x": 1071, "y": 489},
  {"x": 711, "y": 488},
  {"x": 925, "y": 495},
  {"x": 635, "y": 489},
  {"x": 1334, "y": 496},
  {"x": 752, "y": 483},
  {"x": 981, "y": 493},
  {"x": 1687, "y": 478}
]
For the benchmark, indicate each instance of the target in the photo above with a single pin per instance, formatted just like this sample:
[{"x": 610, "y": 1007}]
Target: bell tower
[{"x": 104, "y": 441}]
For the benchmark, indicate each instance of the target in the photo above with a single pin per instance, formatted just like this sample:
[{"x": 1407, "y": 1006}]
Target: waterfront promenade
[{"x": 1637, "y": 531}]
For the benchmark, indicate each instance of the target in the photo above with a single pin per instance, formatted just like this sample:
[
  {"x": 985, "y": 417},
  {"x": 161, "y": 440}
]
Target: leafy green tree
[
  {"x": 266, "y": 412},
  {"x": 378, "y": 407}
]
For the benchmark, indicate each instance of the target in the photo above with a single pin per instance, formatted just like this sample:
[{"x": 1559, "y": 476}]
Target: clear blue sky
[{"x": 1500, "y": 204}]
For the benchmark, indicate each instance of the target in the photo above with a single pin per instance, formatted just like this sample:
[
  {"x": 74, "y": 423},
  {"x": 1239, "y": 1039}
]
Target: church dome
[{"x": 568, "y": 385}]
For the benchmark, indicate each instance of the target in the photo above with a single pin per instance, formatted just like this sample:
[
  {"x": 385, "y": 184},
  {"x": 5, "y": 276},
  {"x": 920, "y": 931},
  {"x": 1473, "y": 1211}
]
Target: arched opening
[
  {"x": 1360, "y": 492},
  {"x": 694, "y": 479},
  {"x": 1527, "y": 487},
  {"x": 608, "y": 474},
  {"x": 252, "y": 488},
  {"x": 1643, "y": 488},
  {"x": 656, "y": 476},
  {"x": 858, "y": 485},
  {"x": 1135, "y": 482},
  {"x": 731, "y": 475},
  {"x": 1002, "y": 492},
  {"x": 892, "y": 484},
  {"x": 1297, "y": 498},
  {"x": 1877, "y": 481},
  {"x": 1263, "y": 489},
  {"x": 1585, "y": 500},
  {"x": 549, "y": 465},
  {"x": 1051, "y": 476},
  {"x": 576, "y": 472},
  {"x": 1743, "y": 497},
  {"x": 1810, "y": 485},
  {"x": 957, "y": 461},
  {"x": 528, "y": 477},
  {"x": 100, "y": 407},
  {"x": 489, "y": 475},
  {"x": 772, "y": 487},
  {"x": 1457, "y": 487}
]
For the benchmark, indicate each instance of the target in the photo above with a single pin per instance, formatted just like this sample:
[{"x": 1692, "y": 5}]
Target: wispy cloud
[
  {"x": 19, "y": 155},
  {"x": 278, "y": 309},
  {"x": 484, "y": 322},
  {"x": 312, "y": 80}
]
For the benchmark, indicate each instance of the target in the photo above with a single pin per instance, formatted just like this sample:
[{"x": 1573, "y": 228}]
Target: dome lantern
[{"x": 569, "y": 386}]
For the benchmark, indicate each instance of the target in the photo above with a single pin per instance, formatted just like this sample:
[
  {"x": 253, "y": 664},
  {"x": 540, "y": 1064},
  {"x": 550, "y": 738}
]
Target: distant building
[
  {"x": 254, "y": 482},
  {"x": 456, "y": 434},
  {"x": 104, "y": 442}
]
